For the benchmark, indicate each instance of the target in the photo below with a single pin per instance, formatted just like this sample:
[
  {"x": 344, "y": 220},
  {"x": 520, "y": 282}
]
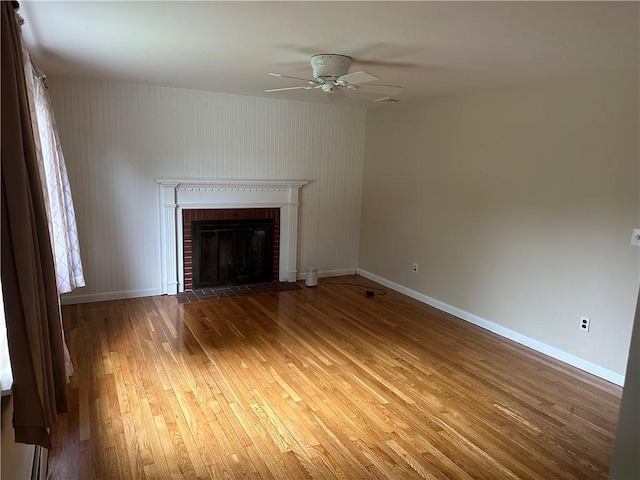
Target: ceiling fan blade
[
  {"x": 356, "y": 78},
  {"x": 294, "y": 78},
  {"x": 381, "y": 63},
  {"x": 304, "y": 87},
  {"x": 388, "y": 100},
  {"x": 336, "y": 94},
  {"x": 389, "y": 90},
  {"x": 295, "y": 48},
  {"x": 382, "y": 54}
]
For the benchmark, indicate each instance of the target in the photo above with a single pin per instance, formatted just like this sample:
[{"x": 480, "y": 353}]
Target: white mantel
[{"x": 177, "y": 195}]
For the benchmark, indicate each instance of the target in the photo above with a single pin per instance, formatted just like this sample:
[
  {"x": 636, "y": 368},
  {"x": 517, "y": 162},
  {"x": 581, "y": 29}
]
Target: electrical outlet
[
  {"x": 585, "y": 323},
  {"x": 635, "y": 237},
  {"x": 415, "y": 268}
]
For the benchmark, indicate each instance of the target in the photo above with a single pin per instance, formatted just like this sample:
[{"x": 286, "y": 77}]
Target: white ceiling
[{"x": 428, "y": 48}]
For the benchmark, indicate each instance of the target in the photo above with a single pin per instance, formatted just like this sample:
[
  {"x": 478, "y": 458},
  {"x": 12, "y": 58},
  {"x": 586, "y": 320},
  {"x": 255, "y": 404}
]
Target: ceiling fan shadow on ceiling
[{"x": 331, "y": 75}]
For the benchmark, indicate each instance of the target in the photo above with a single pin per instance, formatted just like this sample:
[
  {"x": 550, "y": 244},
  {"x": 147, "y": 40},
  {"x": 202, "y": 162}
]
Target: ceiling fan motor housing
[{"x": 330, "y": 65}]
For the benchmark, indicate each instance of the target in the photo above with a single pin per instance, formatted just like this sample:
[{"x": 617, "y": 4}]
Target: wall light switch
[{"x": 635, "y": 237}]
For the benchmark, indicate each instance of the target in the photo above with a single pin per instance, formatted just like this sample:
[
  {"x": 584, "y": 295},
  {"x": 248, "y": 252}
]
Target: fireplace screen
[{"x": 232, "y": 252}]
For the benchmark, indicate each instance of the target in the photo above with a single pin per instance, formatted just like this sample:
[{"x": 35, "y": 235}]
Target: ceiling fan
[{"x": 331, "y": 75}]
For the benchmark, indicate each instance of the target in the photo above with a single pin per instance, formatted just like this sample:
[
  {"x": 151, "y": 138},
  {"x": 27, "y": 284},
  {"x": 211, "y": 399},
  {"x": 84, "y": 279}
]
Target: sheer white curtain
[{"x": 53, "y": 173}]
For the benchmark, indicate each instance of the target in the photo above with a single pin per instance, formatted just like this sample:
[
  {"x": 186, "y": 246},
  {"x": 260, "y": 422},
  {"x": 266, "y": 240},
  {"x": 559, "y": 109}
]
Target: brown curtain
[{"x": 28, "y": 277}]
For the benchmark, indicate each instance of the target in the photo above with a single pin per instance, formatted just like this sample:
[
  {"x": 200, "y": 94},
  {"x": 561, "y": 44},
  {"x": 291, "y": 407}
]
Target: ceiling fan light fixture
[{"x": 330, "y": 65}]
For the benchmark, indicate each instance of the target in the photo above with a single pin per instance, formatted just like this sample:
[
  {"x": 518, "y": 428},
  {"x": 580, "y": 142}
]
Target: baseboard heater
[{"x": 39, "y": 467}]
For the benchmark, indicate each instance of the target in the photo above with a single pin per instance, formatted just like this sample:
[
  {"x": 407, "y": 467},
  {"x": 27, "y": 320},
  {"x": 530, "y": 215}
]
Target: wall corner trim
[{"x": 536, "y": 345}]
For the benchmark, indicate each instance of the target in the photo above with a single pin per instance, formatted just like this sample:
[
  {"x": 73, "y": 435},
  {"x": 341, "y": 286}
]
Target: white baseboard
[
  {"x": 103, "y": 297},
  {"x": 536, "y": 345},
  {"x": 70, "y": 299},
  {"x": 330, "y": 273}
]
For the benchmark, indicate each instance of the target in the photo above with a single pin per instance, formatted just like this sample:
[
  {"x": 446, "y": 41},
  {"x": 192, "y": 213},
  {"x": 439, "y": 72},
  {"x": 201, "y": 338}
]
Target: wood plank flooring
[{"x": 319, "y": 383}]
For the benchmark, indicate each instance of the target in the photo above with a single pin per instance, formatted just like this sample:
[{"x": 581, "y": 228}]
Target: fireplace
[
  {"x": 232, "y": 246},
  {"x": 231, "y": 252},
  {"x": 178, "y": 196}
]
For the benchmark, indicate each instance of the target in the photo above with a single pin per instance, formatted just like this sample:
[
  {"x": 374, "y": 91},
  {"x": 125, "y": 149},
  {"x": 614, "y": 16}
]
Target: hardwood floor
[{"x": 319, "y": 383}]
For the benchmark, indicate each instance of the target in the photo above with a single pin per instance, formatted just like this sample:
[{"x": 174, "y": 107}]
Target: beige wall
[{"x": 518, "y": 204}]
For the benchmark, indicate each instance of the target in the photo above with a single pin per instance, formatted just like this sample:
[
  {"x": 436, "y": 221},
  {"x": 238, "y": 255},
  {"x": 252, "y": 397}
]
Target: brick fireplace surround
[{"x": 179, "y": 195}]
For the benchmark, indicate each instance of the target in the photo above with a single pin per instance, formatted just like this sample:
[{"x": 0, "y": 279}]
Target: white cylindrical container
[{"x": 311, "y": 276}]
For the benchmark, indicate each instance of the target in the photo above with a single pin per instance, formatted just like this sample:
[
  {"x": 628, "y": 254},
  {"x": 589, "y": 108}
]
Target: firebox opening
[{"x": 232, "y": 252}]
